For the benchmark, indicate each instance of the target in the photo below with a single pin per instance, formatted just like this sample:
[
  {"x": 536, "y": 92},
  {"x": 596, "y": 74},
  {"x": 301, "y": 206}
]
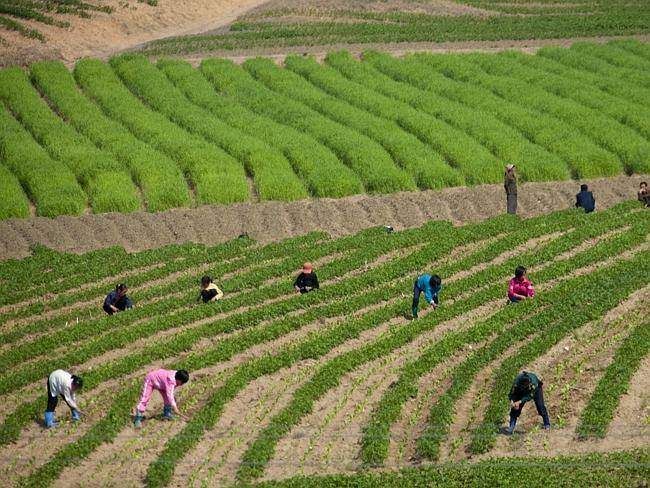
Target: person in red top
[{"x": 520, "y": 287}]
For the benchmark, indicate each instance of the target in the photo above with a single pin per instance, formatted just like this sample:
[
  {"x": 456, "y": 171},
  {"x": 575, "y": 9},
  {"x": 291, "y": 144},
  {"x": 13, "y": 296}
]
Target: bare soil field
[
  {"x": 130, "y": 24},
  {"x": 271, "y": 221}
]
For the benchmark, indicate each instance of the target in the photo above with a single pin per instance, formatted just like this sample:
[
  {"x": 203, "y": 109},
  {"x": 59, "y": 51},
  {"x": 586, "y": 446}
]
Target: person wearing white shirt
[{"x": 61, "y": 383}]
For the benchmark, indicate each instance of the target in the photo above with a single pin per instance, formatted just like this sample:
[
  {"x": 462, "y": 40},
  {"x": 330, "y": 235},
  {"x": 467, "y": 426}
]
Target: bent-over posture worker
[
  {"x": 164, "y": 381},
  {"x": 210, "y": 292},
  {"x": 430, "y": 286},
  {"x": 527, "y": 387},
  {"x": 643, "y": 195},
  {"x": 64, "y": 384},
  {"x": 307, "y": 280},
  {"x": 520, "y": 286},
  {"x": 510, "y": 185},
  {"x": 585, "y": 199},
  {"x": 117, "y": 300}
]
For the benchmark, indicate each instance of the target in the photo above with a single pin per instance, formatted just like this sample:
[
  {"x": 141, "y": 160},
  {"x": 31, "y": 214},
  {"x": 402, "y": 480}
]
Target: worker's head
[
  {"x": 307, "y": 268},
  {"x": 520, "y": 272},
  {"x": 510, "y": 168},
  {"x": 435, "y": 281},
  {"x": 77, "y": 382},
  {"x": 584, "y": 187},
  {"x": 644, "y": 185},
  {"x": 121, "y": 289},
  {"x": 205, "y": 281},
  {"x": 181, "y": 377}
]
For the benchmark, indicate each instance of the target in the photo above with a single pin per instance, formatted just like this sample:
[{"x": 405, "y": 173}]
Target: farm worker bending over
[
  {"x": 520, "y": 287},
  {"x": 165, "y": 381},
  {"x": 510, "y": 185},
  {"x": 527, "y": 387},
  {"x": 585, "y": 199},
  {"x": 117, "y": 301},
  {"x": 430, "y": 286},
  {"x": 65, "y": 384},
  {"x": 643, "y": 195},
  {"x": 209, "y": 291},
  {"x": 307, "y": 280}
]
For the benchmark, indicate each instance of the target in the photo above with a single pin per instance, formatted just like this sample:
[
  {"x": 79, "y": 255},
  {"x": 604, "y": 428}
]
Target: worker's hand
[
  {"x": 434, "y": 304},
  {"x": 114, "y": 308},
  {"x": 297, "y": 289},
  {"x": 177, "y": 411}
]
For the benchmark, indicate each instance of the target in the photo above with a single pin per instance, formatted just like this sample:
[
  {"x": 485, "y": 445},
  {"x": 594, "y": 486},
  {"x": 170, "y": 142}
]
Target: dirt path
[{"x": 270, "y": 221}]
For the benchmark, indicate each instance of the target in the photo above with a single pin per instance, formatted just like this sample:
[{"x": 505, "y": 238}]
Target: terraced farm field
[
  {"x": 130, "y": 135},
  {"x": 338, "y": 382}
]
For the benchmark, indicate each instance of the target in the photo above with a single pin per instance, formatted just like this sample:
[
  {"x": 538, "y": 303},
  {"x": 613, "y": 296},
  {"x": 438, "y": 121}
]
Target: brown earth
[
  {"x": 269, "y": 221},
  {"x": 131, "y": 23}
]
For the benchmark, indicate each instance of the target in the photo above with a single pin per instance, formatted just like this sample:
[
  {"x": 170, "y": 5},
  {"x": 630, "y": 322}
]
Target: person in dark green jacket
[{"x": 526, "y": 387}]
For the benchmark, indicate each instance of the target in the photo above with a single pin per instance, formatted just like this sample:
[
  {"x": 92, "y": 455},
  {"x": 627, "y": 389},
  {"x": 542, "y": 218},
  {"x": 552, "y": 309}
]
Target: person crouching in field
[
  {"x": 585, "y": 199},
  {"x": 430, "y": 286},
  {"x": 209, "y": 291},
  {"x": 307, "y": 280},
  {"x": 520, "y": 287},
  {"x": 64, "y": 384},
  {"x": 526, "y": 387},
  {"x": 117, "y": 300},
  {"x": 165, "y": 381}
]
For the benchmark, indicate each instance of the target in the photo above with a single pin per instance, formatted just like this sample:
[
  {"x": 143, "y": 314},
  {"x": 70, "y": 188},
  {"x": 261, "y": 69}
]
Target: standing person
[
  {"x": 165, "y": 381},
  {"x": 210, "y": 292},
  {"x": 64, "y": 384},
  {"x": 117, "y": 300},
  {"x": 585, "y": 199},
  {"x": 527, "y": 387},
  {"x": 430, "y": 286},
  {"x": 520, "y": 287},
  {"x": 510, "y": 185},
  {"x": 307, "y": 280},
  {"x": 643, "y": 195}
]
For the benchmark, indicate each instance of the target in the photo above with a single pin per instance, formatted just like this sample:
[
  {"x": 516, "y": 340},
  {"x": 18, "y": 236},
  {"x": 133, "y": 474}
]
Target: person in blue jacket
[
  {"x": 585, "y": 199},
  {"x": 430, "y": 286}
]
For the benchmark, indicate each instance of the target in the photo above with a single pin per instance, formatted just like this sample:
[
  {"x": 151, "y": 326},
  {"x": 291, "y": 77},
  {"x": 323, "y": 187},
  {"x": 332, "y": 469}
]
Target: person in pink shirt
[
  {"x": 165, "y": 381},
  {"x": 520, "y": 287}
]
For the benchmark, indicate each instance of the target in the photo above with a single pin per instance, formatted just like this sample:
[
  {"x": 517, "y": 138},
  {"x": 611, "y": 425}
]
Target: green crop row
[
  {"x": 272, "y": 174},
  {"x": 427, "y": 167},
  {"x": 14, "y": 202},
  {"x": 52, "y": 187},
  {"x": 629, "y": 66},
  {"x": 406, "y": 84},
  {"x": 367, "y": 158},
  {"x": 162, "y": 183},
  {"x": 619, "y": 469},
  {"x": 216, "y": 176},
  {"x": 532, "y": 69},
  {"x": 632, "y": 149},
  {"x": 473, "y": 161},
  {"x": 602, "y": 73},
  {"x": 108, "y": 186},
  {"x": 583, "y": 157},
  {"x": 325, "y": 175},
  {"x": 599, "y": 412}
]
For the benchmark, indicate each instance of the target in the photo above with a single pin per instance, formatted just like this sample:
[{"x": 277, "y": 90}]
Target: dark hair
[
  {"x": 182, "y": 376},
  {"x": 77, "y": 381},
  {"x": 206, "y": 280},
  {"x": 520, "y": 271},
  {"x": 121, "y": 287},
  {"x": 643, "y": 183},
  {"x": 525, "y": 380},
  {"x": 435, "y": 280},
  {"x": 584, "y": 187}
]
